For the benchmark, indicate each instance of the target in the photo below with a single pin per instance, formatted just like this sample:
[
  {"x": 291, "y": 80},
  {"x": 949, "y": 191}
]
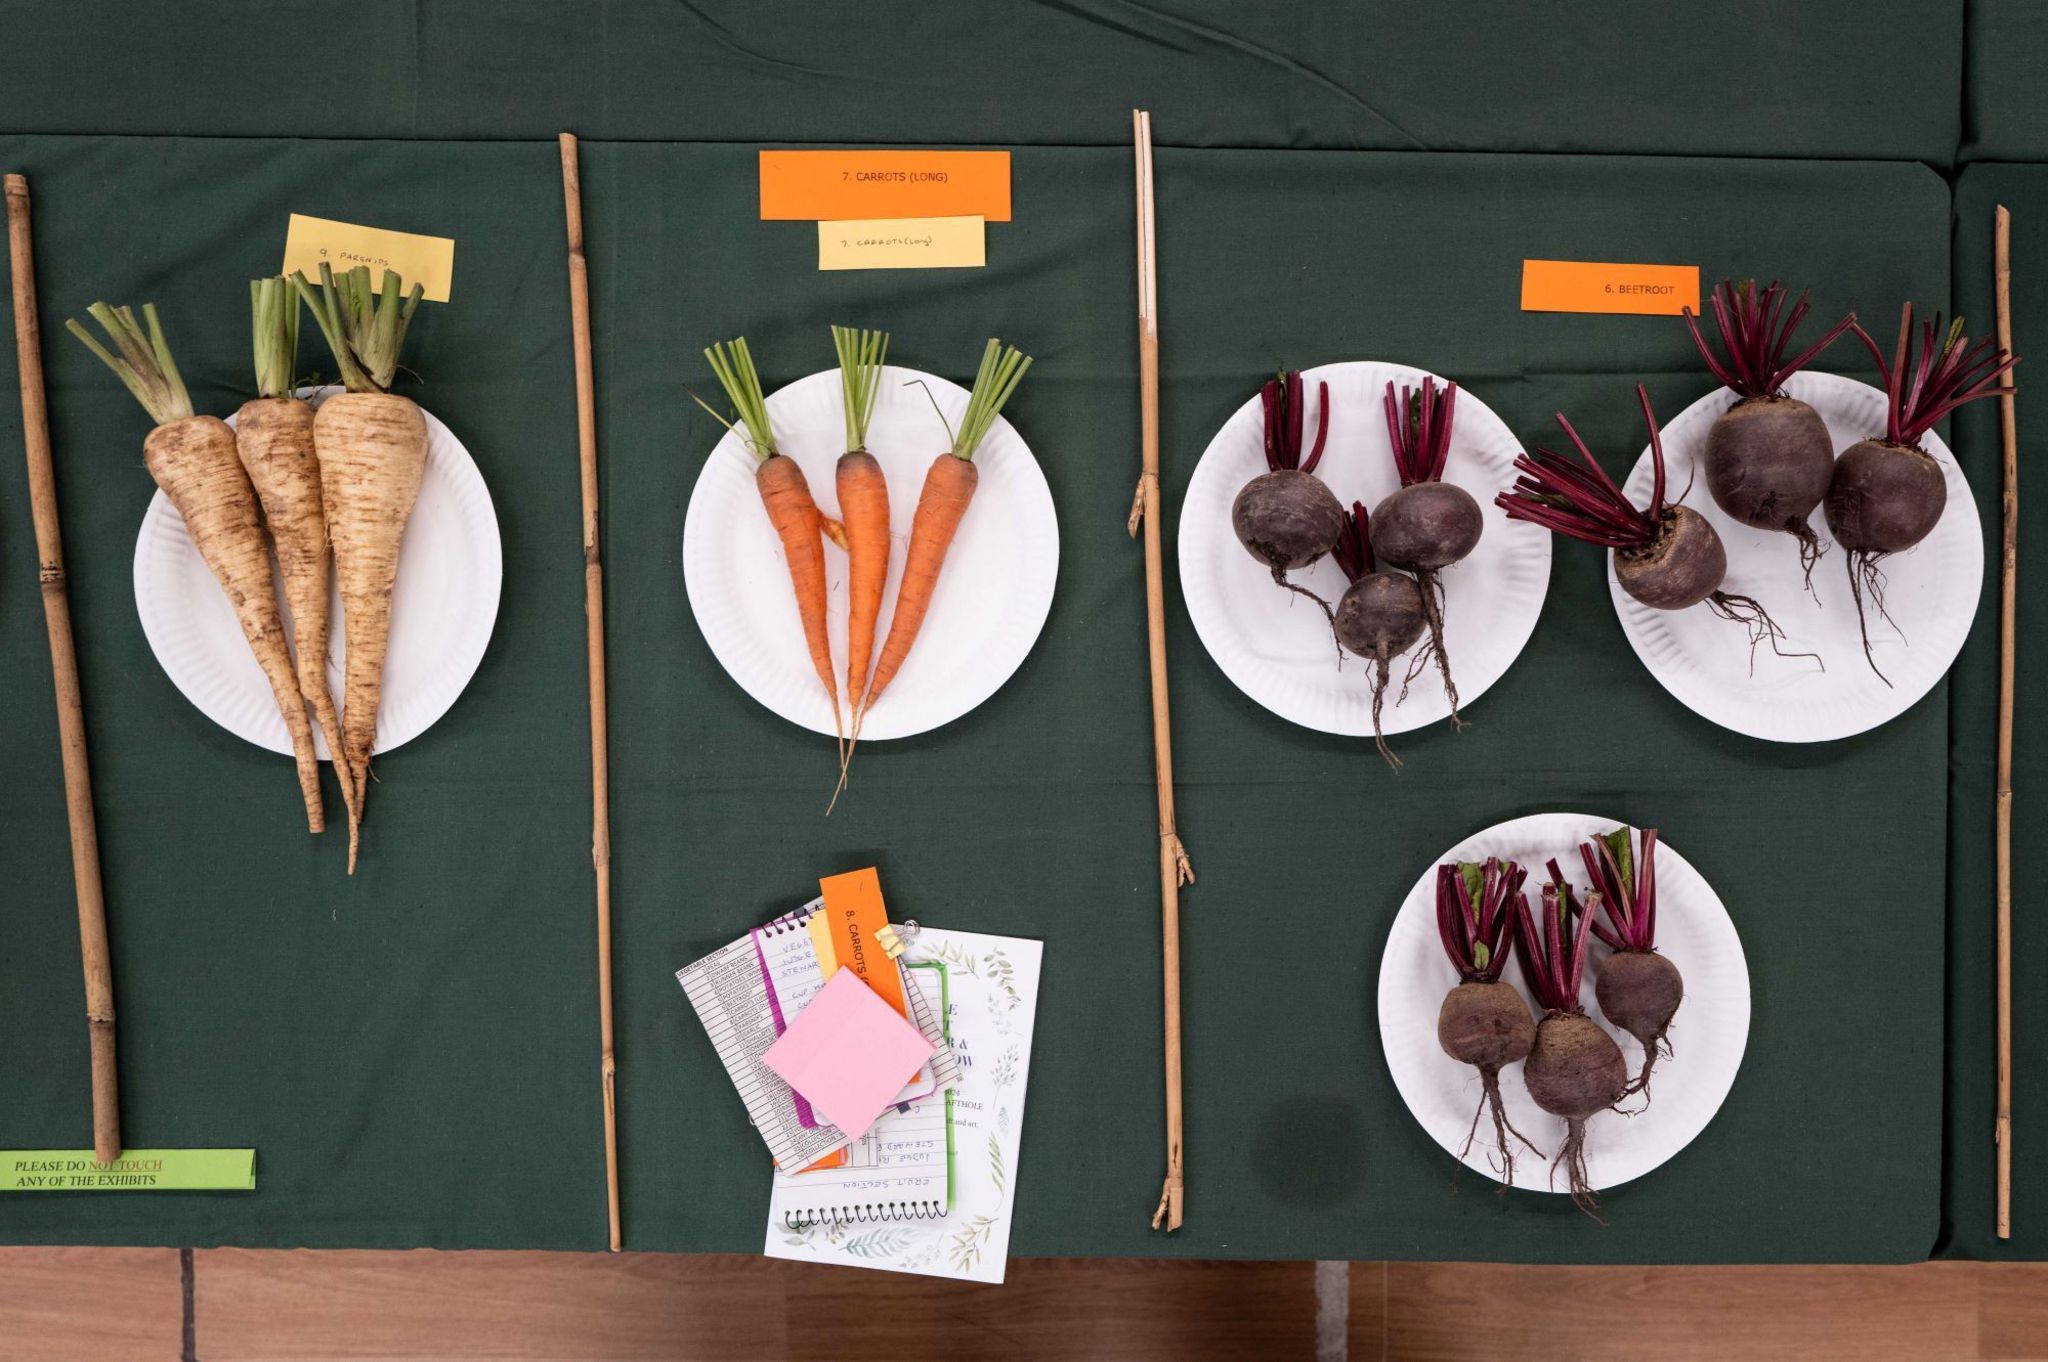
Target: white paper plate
[
  {"x": 450, "y": 570},
  {"x": 991, "y": 600},
  {"x": 1931, "y": 594},
  {"x": 1688, "y": 1086},
  {"x": 1277, "y": 647}
]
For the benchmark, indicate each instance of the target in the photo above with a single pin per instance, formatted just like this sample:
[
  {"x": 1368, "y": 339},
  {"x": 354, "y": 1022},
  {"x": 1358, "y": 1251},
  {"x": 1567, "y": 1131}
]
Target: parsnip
[
  {"x": 372, "y": 447},
  {"x": 274, "y": 436},
  {"x": 193, "y": 460}
]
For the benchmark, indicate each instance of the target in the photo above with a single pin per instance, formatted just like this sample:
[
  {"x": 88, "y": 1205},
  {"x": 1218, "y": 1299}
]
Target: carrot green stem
[
  {"x": 734, "y": 365},
  {"x": 860, "y": 377},
  {"x": 274, "y": 323},
  {"x": 144, "y": 364},
  {"x": 1002, "y": 369},
  {"x": 365, "y": 327}
]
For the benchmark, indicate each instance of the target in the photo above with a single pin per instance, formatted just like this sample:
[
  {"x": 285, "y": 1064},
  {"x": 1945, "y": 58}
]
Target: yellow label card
[
  {"x": 428, "y": 261},
  {"x": 137, "y": 1170},
  {"x": 902, "y": 244}
]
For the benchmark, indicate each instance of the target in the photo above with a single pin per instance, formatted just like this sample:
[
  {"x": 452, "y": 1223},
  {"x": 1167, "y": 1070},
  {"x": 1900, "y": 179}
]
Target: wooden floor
[{"x": 108, "y": 1305}]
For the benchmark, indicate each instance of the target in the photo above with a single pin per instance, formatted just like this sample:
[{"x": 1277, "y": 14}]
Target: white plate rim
[
  {"x": 1848, "y": 699},
  {"x": 736, "y": 645},
  {"x": 1302, "y": 692},
  {"x": 162, "y": 529},
  {"x": 1706, "y": 1090}
]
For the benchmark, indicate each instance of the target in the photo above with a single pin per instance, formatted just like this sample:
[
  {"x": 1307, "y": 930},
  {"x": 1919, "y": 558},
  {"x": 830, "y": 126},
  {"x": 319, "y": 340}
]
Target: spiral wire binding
[{"x": 873, "y": 1213}]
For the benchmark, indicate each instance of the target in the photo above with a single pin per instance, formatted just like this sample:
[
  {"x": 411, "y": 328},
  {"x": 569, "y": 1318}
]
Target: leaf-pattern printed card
[{"x": 990, "y": 996}]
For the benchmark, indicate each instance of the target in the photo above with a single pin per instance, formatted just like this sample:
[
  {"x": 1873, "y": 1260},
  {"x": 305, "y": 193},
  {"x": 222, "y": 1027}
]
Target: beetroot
[
  {"x": 1380, "y": 617},
  {"x": 1769, "y": 457},
  {"x": 1483, "y": 1022},
  {"x": 1667, "y": 556},
  {"x": 1574, "y": 1070},
  {"x": 1638, "y": 989},
  {"x": 1888, "y": 493},
  {"x": 1286, "y": 518},
  {"x": 1428, "y": 524}
]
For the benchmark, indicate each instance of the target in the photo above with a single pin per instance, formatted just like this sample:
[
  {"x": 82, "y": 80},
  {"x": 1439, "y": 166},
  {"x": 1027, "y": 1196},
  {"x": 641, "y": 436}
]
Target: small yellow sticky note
[
  {"x": 428, "y": 261},
  {"x": 902, "y": 244},
  {"x": 1605, "y": 286}
]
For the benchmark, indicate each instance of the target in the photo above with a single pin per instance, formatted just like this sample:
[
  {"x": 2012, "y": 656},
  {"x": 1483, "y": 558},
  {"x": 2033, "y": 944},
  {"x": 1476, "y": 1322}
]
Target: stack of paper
[{"x": 888, "y": 1082}]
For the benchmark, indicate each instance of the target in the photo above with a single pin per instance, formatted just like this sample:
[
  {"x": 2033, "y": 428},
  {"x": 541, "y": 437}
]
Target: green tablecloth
[
  {"x": 1870, "y": 78},
  {"x": 413, "y": 1052}
]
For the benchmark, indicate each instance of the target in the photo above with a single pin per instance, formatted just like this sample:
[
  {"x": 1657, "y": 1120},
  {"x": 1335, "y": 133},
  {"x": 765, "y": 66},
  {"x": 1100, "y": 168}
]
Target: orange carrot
[
  {"x": 786, "y": 496},
  {"x": 863, "y": 504},
  {"x": 948, "y": 488}
]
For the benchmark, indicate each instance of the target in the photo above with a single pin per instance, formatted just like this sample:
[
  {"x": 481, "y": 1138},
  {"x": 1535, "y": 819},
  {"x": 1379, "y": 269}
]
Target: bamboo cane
[
  {"x": 85, "y": 841},
  {"x": 1174, "y": 867},
  {"x": 593, "y": 615},
  {"x": 2007, "y": 606}
]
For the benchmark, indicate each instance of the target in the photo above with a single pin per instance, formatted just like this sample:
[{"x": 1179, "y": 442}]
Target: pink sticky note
[{"x": 848, "y": 1053}]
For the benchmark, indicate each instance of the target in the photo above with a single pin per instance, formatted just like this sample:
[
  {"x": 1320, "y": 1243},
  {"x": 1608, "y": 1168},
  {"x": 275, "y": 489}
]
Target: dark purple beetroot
[
  {"x": 1683, "y": 564},
  {"x": 1286, "y": 518},
  {"x": 1426, "y": 527},
  {"x": 1638, "y": 990},
  {"x": 1380, "y": 616},
  {"x": 1483, "y": 1022},
  {"x": 1665, "y": 555},
  {"x": 1428, "y": 524},
  {"x": 1886, "y": 498},
  {"x": 1888, "y": 493},
  {"x": 1769, "y": 457},
  {"x": 1574, "y": 1070}
]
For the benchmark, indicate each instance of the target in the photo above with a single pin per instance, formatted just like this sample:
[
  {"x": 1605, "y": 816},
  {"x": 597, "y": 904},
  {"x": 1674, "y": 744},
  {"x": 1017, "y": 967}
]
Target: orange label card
[
  {"x": 805, "y": 186},
  {"x": 854, "y": 912},
  {"x": 1602, "y": 286}
]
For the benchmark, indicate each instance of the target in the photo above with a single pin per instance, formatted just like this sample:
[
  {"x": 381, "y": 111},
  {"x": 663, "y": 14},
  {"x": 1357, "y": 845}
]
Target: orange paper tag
[
  {"x": 806, "y": 186},
  {"x": 1603, "y": 286},
  {"x": 854, "y": 912}
]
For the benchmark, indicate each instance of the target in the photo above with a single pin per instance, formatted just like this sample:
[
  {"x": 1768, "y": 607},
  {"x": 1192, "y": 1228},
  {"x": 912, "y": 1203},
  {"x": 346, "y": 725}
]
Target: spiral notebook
[
  {"x": 895, "y": 1218},
  {"x": 900, "y": 1170}
]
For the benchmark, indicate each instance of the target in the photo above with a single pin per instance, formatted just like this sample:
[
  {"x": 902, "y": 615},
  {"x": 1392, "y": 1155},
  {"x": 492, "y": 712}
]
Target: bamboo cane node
[
  {"x": 51, "y": 575},
  {"x": 1137, "y": 515},
  {"x": 1168, "y": 1215},
  {"x": 1184, "y": 869}
]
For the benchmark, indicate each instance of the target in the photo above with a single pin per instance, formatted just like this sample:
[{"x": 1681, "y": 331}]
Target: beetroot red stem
[
  {"x": 1944, "y": 376},
  {"x": 1285, "y": 410},
  {"x": 1322, "y": 427},
  {"x": 1353, "y": 549},
  {"x": 1756, "y": 330},
  {"x": 1465, "y": 926}
]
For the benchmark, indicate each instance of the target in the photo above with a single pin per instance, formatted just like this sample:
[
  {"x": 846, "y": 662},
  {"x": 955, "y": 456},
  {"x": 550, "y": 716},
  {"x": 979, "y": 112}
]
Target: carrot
[
  {"x": 193, "y": 460},
  {"x": 948, "y": 488},
  {"x": 372, "y": 447},
  {"x": 274, "y": 437},
  {"x": 864, "y": 508},
  {"x": 786, "y": 496}
]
